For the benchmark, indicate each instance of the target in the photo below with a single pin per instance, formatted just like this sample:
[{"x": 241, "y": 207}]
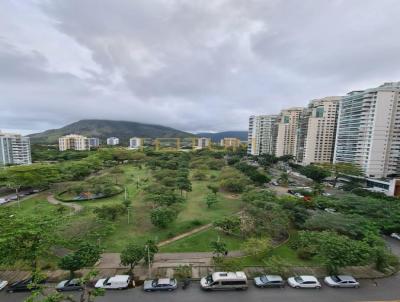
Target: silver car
[
  {"x": 269, "y": 281},
  {"x": 165, "y": 284},
  {"x": 341, "y": 281}
]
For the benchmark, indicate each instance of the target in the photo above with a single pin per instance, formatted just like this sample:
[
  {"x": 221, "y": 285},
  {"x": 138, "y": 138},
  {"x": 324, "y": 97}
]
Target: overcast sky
[{"x": 194, "y": 65}]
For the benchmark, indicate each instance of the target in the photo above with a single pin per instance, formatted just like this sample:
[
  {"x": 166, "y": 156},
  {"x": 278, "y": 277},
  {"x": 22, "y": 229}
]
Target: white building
[
  {"x": 368, "y": 131},
  {"x": 317, "y": 131},
  {"x": 203, "y": 142},
  {"x": 135, "y": 143},
  {"x": 14, "y": 149},
  {"x": 287, "y": 125},
  {"x": 73, "y": 142},
  {"x": 94, "y": 142},
  {"x": 113, "y": 141},
  {"x": 262, "y": 134}
]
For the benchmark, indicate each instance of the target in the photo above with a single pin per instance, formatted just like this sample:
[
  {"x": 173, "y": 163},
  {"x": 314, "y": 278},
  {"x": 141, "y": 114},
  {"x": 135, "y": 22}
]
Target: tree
[
  {"x": 161, "y": 217},
  {"x": 213, "y": 188},
  {"x": 257, "y": 247},
  {"x": 86, "y": 255},
  {"x": 316, "y": 173},
  {"x": 26, "y": 238},
  {"x": 131, "y": 255},
  {"x": 211, "y": 199},
  {"x": 184, "y": 184},
  {"x": 284, "y": 179},
  {"x": 219, "y": 249},
  {"x": 109, "y": 212},
  {"x": 338, "y": 169}
]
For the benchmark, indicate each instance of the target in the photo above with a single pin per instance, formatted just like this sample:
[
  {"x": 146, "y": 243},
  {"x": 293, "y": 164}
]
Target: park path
[
  {"x": 194, "y": 231},
  {"x": 76, "y": 207}
]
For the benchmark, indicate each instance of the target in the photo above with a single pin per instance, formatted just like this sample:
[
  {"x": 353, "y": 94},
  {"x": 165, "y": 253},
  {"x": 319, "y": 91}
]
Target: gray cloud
[{"x": 194, "y": 65}]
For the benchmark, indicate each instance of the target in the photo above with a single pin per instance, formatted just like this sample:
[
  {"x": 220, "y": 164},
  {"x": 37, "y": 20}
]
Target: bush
[
  {"x": 305, "y": 253},
  {"x": 199, "y": 175},
  {"x": 161, "y": 217}
]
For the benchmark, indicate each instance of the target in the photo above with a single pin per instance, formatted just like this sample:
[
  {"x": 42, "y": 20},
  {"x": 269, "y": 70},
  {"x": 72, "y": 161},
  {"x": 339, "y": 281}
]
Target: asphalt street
[{"x": 387, "y": 289}]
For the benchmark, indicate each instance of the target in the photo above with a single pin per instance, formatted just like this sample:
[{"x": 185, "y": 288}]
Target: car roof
[
  {"x": 229, "y": 275},
  {"x": 273, "y": 277},
  {"x": 346, "y": 278},
  {"x": 165, "y": 281},
  {"x": 119, "y": 278},
  {"x": 308, "y": 278}
]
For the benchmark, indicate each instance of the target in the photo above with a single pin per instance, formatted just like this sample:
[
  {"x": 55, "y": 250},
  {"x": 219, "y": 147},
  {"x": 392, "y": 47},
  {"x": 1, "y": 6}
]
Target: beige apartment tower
[
  {"x": 287, "y": 126},
  {"x": 317, "y": 131},
  {"x": 73, "y": 142},
  {"x": 230, "y": 142}
]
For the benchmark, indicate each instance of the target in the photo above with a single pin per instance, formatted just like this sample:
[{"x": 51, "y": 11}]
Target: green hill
[{"x": 106, "y": 128}]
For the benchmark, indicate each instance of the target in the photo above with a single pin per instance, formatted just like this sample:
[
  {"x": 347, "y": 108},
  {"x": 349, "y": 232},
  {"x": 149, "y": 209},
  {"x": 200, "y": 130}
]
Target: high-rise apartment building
[
  {"x": 368, "y": 131},
  {"x": 317, "y": 131},
  {"x": 135, "y": 143},
  {"x": 15, "y": 149},
  {"x": 112, "y": 141},
  {"x": 262, "y": 134},
  {"x": 287, "y": 126},
  {"x": 73, "y": 142},
  {"x": 94, "y": 142},
  {"x": 203, "y": 142}
]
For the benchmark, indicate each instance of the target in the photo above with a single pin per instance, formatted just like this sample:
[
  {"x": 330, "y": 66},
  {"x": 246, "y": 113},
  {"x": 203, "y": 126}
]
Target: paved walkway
[{"x": 76, "y": 207}]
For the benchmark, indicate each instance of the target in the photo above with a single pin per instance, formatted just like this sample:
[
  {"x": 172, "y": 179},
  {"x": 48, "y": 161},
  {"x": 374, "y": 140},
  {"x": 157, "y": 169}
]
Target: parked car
[
  {"x": 116, "y": 282},
  {"x": 274, "y": 183},
  {"x": 304, "y": 282},
  {"x": 224, "y": 281},
  {"x": 341, "y": 281},
  {"x": 269, "y": 281},
  {"x": 298, "y": 195},
  {"x": 69, "y": 285},
  {"x": 22, "y": 286},
  {"x": 164, "y": 284},
  {"x": 395, "y": 236},
  {"x": 326, "y": 194},
  {"x": 3, "y": 284}
]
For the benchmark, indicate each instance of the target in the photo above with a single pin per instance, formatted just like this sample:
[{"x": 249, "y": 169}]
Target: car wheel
[
  {"x": 147, "y": 290},
  {"x": 297, "y": 286},
  {"x": 10, "y": 291},
  {"x": 170, "y": 289},
  {"x": 318, "y": 287}
]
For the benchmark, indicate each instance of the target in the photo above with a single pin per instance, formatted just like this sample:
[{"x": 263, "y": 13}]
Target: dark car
[
  {"x": 269, "y": 281},
  {"x": 22, "y": 286},
  {"x": 160, "y": 284},
  {"x": 69, "y": 285}
]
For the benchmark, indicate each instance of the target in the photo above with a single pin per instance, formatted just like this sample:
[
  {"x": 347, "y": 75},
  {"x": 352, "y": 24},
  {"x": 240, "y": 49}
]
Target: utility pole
[{"x": 148, "y": 259}]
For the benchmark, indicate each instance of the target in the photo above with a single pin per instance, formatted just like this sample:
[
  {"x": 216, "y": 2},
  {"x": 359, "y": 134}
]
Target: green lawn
[{"x": 200, "y": 242}]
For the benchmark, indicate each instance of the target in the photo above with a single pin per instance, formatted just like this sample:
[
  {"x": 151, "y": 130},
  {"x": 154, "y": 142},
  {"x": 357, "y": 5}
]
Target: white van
[
  {"x": 116, "y": 282},
  {"x": 224, "y": 281}
]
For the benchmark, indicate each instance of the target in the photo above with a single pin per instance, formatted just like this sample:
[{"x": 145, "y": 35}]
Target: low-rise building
[
  {"x": 230, "y": 142},
  {"x": 203, "y": 142},
  {"x": 135, "y": 143},
  {"x": 15, "y": 149},
  {"x": 73, "y": 142},
  {"x": 113, "y": 141}
]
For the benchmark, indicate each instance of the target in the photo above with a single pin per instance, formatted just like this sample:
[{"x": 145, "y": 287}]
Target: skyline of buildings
[
  {"x": 362, "y": 127},
  {"x": 15, "y": 149}
]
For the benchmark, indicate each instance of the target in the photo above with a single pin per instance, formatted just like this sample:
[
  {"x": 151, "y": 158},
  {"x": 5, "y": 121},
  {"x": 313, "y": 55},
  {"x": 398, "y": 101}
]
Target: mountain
[
  {"x": 106, "y": 128},
  {"x": 216, "y": 137}
]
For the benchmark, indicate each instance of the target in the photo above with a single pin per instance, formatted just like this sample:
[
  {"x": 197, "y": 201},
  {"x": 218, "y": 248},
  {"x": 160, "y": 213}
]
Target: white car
[
  {"x": 116, "y": 282},
  {"x": 395, "y": 236},
  {"x": 326, "y": 194},
  {"x": 3, "y": 284},
  {"x": 304, "y": 282},
  {"x": 341, "y": 281}
]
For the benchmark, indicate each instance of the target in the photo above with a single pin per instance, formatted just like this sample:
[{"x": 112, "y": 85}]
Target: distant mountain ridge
[
  {"x": 217, "y": 136},
  {"x": 107, "y": 128}
]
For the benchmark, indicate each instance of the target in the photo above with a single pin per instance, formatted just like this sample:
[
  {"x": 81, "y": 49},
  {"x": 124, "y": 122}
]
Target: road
[{"x": 383, "y": 290}]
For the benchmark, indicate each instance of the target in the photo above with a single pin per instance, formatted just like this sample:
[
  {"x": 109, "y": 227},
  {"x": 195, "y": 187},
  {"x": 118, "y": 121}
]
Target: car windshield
[
  {"x": 336, "y": 278},
  {"x": 209, "y": 279},
  {"x": 106, "y": 281},
  {"x": 298, "y": 279},
  {"x": 264, "y": 279}
]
